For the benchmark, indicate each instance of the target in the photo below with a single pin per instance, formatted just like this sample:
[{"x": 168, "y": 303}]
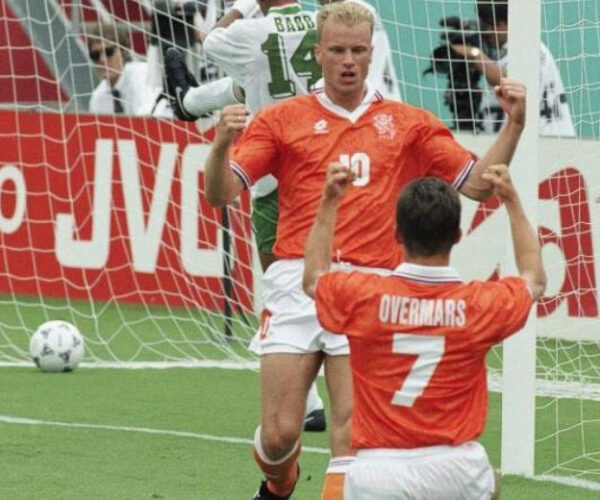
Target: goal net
[
  {"x": 103, "y": 222},
  {"x": 567, "y": 350}
]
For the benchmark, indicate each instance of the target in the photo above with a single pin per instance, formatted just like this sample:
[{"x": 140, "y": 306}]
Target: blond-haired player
[
  {"x": 386, "y": 144},
  {"x": 382, "y": 72},
  {"x": 418, "y": 341}
]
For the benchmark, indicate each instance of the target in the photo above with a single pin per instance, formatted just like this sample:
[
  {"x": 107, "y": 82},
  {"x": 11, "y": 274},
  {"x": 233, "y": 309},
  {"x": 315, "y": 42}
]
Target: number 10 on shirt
[{"x": 360, "y": 164}]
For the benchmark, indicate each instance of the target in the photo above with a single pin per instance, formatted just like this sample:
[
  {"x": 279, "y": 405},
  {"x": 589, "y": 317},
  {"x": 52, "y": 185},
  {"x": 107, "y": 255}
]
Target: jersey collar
[
  {"x": 371, "y": 95},
  {"x": 427, "y": 274},
  {"x": 282, "y": 10}
]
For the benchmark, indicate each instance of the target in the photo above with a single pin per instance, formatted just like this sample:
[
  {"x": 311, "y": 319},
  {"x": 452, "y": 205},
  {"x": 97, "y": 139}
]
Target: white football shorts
[
  {"x": 289, "y": 323},
  {"x": 460, "y": 472}
]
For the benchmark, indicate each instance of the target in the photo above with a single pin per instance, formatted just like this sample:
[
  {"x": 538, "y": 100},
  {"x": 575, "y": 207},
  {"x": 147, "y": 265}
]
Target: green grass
[
  {"x": 126, "y": 332},
  {"x": 42, "y": 461}
]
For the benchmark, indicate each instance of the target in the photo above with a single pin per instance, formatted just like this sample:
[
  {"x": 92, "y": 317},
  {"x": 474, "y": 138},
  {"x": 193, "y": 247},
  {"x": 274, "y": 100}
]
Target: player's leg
[
  {"x": 285, "y": 380},
  {"x": 191, "y": 101},
  {"x": 339, "y": 386},
  {"x": 314, "y": 417},
  {"x": 265, "y": 214}
]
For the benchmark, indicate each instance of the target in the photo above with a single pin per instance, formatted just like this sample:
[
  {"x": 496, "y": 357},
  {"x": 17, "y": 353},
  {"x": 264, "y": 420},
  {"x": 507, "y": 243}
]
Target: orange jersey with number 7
[
  {"x": 386, "y": 143},
  {"x": 418, "y": 343}
]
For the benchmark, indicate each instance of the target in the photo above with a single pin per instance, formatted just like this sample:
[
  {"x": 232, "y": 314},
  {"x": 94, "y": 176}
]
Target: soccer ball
[{"x": 56, "y": 346}]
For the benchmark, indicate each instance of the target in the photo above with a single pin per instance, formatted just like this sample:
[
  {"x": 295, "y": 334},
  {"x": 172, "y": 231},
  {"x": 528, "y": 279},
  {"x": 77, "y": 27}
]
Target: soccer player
[
  {"x": 195, "y": 100},
  {"x": 386, "y": 144},
  {"x": 272, "y": 58},
  {"x": 418, "y": 341}
]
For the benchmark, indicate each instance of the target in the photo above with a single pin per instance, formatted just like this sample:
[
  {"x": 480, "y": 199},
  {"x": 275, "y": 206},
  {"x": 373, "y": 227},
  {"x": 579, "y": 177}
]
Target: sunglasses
[{"x": 107, "y": 51}]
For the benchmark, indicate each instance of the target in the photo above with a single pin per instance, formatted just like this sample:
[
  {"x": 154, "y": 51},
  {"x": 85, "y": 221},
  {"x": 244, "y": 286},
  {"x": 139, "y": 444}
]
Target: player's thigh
[
  {"x": 285, "y": 380},
  {"x": 339, "y": 385},
  {"x": 338, "y": 377}
]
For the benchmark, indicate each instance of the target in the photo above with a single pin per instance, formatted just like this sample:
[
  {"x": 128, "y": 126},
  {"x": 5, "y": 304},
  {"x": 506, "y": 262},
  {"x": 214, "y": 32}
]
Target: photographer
[
  {"x": 463, "y": 94},
  {"x": 555, "y": 117}
]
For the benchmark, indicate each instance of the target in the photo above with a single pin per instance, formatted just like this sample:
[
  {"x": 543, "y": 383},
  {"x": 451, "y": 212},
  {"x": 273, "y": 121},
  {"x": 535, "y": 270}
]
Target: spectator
[
  {"x": 124, "y": 88},
  {"x": 555, "y": 116}
]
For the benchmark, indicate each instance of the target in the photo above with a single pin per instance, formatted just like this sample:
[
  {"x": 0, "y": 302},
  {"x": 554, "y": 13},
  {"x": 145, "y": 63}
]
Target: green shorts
[{"x": 265, "y": 213}]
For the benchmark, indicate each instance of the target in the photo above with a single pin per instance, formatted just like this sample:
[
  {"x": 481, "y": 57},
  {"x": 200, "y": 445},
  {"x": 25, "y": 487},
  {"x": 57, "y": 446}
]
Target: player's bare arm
[
  {"x": 220, "y": 183},
  {"x": 511, "y": 96},
  {"x": 525, "y": 241},
  {"x": 317, "y": 255}
]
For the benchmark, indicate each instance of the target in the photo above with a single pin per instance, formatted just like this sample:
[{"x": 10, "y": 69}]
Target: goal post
[{"x": 519, "y": 351}]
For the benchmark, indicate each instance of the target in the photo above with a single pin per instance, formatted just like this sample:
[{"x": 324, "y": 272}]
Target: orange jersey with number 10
[
  {"x": 418, "y": 342},
  {"x": 386, "y": 143}
]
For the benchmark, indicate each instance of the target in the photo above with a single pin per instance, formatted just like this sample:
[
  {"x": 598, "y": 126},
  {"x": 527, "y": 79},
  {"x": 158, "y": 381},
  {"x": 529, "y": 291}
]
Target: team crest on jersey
[
  {"x": 386, "y": 128},
  {"x": 322, "y": 127}
]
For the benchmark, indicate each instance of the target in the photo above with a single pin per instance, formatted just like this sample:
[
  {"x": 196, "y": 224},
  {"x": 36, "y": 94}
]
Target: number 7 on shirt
[{"x": 430, "y": 350}]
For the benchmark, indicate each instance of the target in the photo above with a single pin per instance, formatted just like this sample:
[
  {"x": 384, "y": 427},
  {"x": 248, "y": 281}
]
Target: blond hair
[{"x": 348, "y": 13}]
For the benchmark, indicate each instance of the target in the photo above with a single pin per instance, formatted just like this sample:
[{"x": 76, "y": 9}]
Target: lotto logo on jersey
[
  {"x": 386, "y": 128},
  {"x": 321, "y": 127}
]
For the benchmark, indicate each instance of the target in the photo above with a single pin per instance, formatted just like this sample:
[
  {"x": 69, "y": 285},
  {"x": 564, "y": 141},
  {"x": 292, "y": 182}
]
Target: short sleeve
[
  {"x": 508, "y": 301},
  {"x": 440, "y": 154},
  {"x": 338, "y": 296},
  {"x": 256, "y": 153},
  {"x": 231, "y": 48}
]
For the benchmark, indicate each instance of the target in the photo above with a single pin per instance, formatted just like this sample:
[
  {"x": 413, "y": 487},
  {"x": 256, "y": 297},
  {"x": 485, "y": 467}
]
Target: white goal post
[{"x": 518, "y": 369}]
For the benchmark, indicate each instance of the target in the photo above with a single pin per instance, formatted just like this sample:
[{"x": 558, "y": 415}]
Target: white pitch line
[
  {"x": 143, "y": 430},
  {"x": 567, "y": 481}
]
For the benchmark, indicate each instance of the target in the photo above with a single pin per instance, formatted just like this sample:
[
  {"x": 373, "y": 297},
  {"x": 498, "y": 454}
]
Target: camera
[
  {"x": 173, "y": 23},
  {"x": 463, "y": 95}
]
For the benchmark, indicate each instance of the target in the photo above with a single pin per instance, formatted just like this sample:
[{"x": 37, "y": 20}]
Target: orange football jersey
[
  {"x": 386, "y": 143},
  {"x": 418, "y": 342}
]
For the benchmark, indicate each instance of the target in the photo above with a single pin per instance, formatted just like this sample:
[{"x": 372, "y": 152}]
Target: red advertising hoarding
[{"x": 106, "y": 208}]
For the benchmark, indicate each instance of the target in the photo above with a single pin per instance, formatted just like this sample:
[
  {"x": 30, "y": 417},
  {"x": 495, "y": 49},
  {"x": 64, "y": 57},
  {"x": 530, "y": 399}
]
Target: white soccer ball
[{"x": 56, "y": 346}]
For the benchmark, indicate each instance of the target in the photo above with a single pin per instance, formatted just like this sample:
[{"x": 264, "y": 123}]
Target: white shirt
[
  {"x": 555, "y": 116},
  {"x": 270, "y": 58},
  {"x": 136, "y": 96},
  {"x": 259, "y": 54}
]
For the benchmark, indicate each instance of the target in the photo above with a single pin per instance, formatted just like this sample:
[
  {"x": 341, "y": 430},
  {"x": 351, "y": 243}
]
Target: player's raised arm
[
  {"x": 220, "y": 183},
  {"x": 317, "y": 254},
  {"x": 511, "y": 96},
  {"x": 527, "y": 248}
]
